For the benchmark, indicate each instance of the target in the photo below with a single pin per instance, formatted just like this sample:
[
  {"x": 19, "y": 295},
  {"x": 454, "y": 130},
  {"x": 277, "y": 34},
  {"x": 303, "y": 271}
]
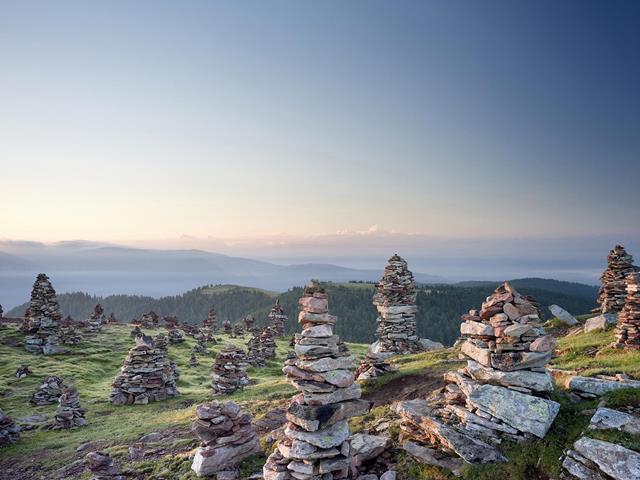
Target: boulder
[
  {"x": 365, "y": 447},
  {"x": 601, "y": 322},
  {"x": 599, "y": 386},
  {"x": 562, "y": 315},
  {"x": 606, "y": 418},
  {"x": 431, "y": 456},
  {"x": 614, "y": 460},
  {"x": 535, "y": 381}
]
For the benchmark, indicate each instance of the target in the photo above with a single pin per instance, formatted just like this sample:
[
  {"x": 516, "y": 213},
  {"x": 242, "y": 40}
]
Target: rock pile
[
  {"x": 69, "y": 413},
  {"x": 149, "y": 319},
  {"x": 268, "y": 343},
  {"x": 146, "y": 376},
  {"x": 277, "y": 319},
  {"x": 193, "y": 360},
  {"x": 226, "y": 327},
  {"x": 613, "y": 289},
  {"x": 395, "y": 301},
  {"x": 136, "y": 331},
  {"x": 238, "y": 329},
  {"x": 43, "y": 319},
  {"x": 175, "y": 336},
  {"x": 96, "y": 319},
  {"x": 1, "y": 312},
  {"x": 9, "y": 431},
  {"x": 211, "y": 322},
  {"x": 628, "y": 327},
  {"x": 48, "y": 392},
  {"x": 499, "y": 394},
  {"x": 229, "y": 371},
  {"x": 111, "y": 319},
  {"x": 226, "y": 437},
  {"x": 68, "y": 333},
  {"x": 201, "y": 346},
  {"x": 249, "y": 323},
  {"x": 23, "y": 371},
  {"x": 316, "y": 443},
  {"x": 255, "y": 355},
  {"x": 102, "y": 466},
  {"x": 373, "y": 365},
  {"x": 161, "y": 342},
  {"x": 170, "y": 322}
]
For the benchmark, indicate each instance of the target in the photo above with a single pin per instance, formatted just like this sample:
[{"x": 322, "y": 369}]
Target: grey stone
[
  {"x": 606, "y": 418},
  {"x": 536, "y": 381},
  {"x": 562, "y": 315},
  {"x": 614, "y": 460},
  {"x": 601, "y": 322},
  {"x": 431, "y": 456},
  {"x": 598, "y": 386}
]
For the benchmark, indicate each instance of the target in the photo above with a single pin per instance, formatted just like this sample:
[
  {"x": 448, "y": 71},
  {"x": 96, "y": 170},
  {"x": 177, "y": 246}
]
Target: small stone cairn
[
  {"x": 249, "y": 324},
  {"x": 238, "y": 329},
  {"x": 68, "y": 333},
  {"x": 146, "y": 375},
  {"x": 255, "y": 355},
  {"x": 23, "y": 371},
  {"x": 226, "y": 435},
  {"x": 316, "y": 442},
  {"x": 175, "y": 336},
  {"x": 69, "y": 413},
  {"x": 48, "y": 392},
  {"x": 43, "y": 321},
  {"x": 226, "y": 327},
  {"x": 171, "y": 322},
  {"x": 613, "y": 289},
  {"x": 268, "y": 343},
  {"x": 193, "y": 360},
  {"x": 201, "y": 346},
  {"x": 627, "y": 334},
  {"x": 229, "y": 371},
  {"x": 149, "y": 319},
  {"x": 102, "y": 466},
  {"x": 9, "y": 431},
  {"x": 96, "y": 319},
  {"x": 161, "y": 342},
  {"x": 111, "y": 319},
  {"x": 500, "y": 394},
  {"x": 277, "y": 319}
]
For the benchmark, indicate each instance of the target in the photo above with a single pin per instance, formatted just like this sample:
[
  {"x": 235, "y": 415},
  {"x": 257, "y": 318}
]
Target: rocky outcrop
[
  {"x": 613, "y": 289},
  {"x": 592, "y": 459},
  {"x": 48, "y": 392},
  {"x": 627, "y": 334},
  {"x": 146, "y": 376},
  {"x": 277, "y": 319},
  {"x": 43, "y": 319},
  {"x": 226, "y": 437},
  {"x": 69, "y": 413},
  {"x": 9, "y": 431},
  {"x": 316, "y": 436},
  {"x": 500, "y": 394},
  {"x": 102, "y": 466},
  {"x": 229, "y": 371}
]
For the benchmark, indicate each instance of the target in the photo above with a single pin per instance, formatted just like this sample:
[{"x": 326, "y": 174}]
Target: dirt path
[{"x": 406, "y": 388}]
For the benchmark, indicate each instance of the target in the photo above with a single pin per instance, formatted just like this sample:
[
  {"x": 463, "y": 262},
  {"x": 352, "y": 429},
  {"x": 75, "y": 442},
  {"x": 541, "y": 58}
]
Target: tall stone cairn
[
  {"x": 249, "y": 323},
  {"x": 211, "y": 322},
  {"x": 43, "y": 321},
  {"x": 193, "y": 360},
  {"x": 316, "y": 442},
  {"x": 502, "y": 391},
  {"x": 102, "y": 466},
  {"x": 613, "y": 289},
  {"x": 96, "y": 319},
  {"x": 268, "y": 343},
  {"x": 146, "y": 376},
  {"x": 48, "y": 392},
  {"x": 149, "y": 319},
  {"x": 229, "y": 371},
  {"x": 277, "y": 319},
  {"x": 1, "y": 313},
  {"x": 9, "y": 431},
  {"x": 255, "y": 355},
  {"x": 69, "y": 335},
  {"x": 627, "y": 334},
  {"x": 395, "y": 301},
  {"x": 226, "y": 327},
  {"x": 226, "y": 435},
  {"x": 69, "y": 413}
]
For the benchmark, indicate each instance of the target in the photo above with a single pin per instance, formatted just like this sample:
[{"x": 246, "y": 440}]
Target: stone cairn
[
  {"x": 211, "y": 322},
  {"x": 193, "y": 360},
  {"x": 277, "y": 319},
  {"x": 201, "y": 346},
  {"x": 102, "y": 466},
  {"x": 255, "y": 355},
  {"x": 175, "y": 336},
  {"x": 149, "y": 319},
  {"x": 170, "y": 322},
  {"x": 68, "y": 333},
  {"x": 146, "y": 375},
  {"x": 9, "y": 431},
  {"x": 238, "y": 330},
  {"x": 48, "y": 392},
  {"x": 613, "y": 290},
  {"x": 226, "y": 435},
  {"x": 96, "y": 319},
  {"x": 316, "y": 437},
  {"x": 111, "y": 319},
  {"x": 226, "y": 327},
  {"x": 43, "y": 319},
  {"x": 229, "y": 371},
  {"x": 23, "y": 371},
  {"x": 69, "y": 413},
  {"x": 628, "y": 327},
  {"x": 161, "y": 342},
  {"x": 136, "y": 331},
  {"x": 500, "y": 394},
  {"x": 249, "y": 323},
  {"x": 268, "y": 343}
]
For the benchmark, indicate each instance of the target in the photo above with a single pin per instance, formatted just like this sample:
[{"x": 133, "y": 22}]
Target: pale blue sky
[{"x": 148, "y": 120}]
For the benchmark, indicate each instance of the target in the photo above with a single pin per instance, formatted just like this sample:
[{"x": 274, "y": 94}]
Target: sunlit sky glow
[{"x": 151, "y": 120}]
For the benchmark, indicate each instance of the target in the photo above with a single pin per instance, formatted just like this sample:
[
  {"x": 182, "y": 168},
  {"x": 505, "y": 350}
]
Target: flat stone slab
[
  {"x": 614, "y": 460},
  {"x": 599, "y": 386},
  {"x": 536, "y": 381},
  {"x": 609, "y": 419},
  {"x": 431, "y": 456},
  {"x": 562, "y": 315}
]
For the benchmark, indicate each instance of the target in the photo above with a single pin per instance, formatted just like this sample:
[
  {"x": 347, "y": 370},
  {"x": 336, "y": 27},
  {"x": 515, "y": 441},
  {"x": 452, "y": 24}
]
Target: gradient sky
[{"x": 149, "y": 120}]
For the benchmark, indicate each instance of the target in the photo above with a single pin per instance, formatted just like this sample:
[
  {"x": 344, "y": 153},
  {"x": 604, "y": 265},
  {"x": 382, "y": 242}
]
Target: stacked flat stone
[
  {"x": 226, "y": 435},
  {"x": 627, "y": 334},
  {"x": 43, "y": 320},
  {"x": 48, "y": 392},
  {"x": 161, "y": 342},
  {"x": 201, "y": 346},
  {"x": 149, "y": 319},
  {"x": 193, "y": 360},
  {"x": 277, "y": 319},
  {"x": 229, "y": 371},
  {"x": 226, "y": 327},
  {"x": 395, "y": 301},
  {"x": 68, "y": 333},
  {"x": 255, "y": 355},
  {"x": 249, "y": 323},
  {"x": 146, "y": 375},
  {"x": 210, "y": 324},
  {"x": 613, "y": 289},
  {"x": 96, "y": 319},
  {"x": 373, "y": 365},
  {"x": 316, "y": 442},
  {"x": 170, "y": 322},
  {"x": 69, "y": 413},
  {"x": 502, "y": 391},
  {"x": 9, "y": 431},
  {"x": 102, "y": 466},
  {"x": 268, "y": 343},
  {"x": 23, "y": 371},
  {"x": 111, "y": 319},
  {"x": 175, "y": 336},
  {"x": 238, "y": 329}
]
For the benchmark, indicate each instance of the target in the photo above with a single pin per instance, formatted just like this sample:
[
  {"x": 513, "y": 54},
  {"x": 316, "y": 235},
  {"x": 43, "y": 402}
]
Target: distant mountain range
[{"x": 104, "y": 269}]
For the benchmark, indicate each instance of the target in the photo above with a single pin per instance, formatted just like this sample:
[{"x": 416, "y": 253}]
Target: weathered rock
[
  {"x": 562, "y": 315},
  {"x": 607, "y": 418},
  {"x": 365, "y": 447},
  {"x": 601, "y": 322},
  {"x": 613, "y": 460},
  {"x": 535, "y": 381},
  {"x": 9, "y": 431},
  {"x": 431, "y": 456},
  {"x": 598, "y": 386}
]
